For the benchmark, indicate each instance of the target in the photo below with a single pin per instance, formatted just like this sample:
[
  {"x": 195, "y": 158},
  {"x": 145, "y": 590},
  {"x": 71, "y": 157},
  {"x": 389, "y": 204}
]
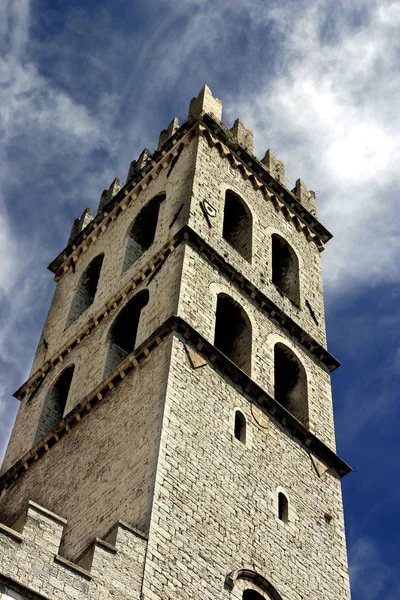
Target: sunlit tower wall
[{"x": 175, "y": 438}]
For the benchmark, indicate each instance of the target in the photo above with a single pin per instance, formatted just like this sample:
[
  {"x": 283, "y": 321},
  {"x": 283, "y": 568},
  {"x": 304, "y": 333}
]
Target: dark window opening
[
  {"x": 86, "y": 290},
  {"x": 143, "y": 231},
  {"x": 233, "y": 332},
  {"x": 240, "y": 427},
  {"x": 54, "y": 404},
  {"x": 290, "y": 383},
  {"x": 283, "y": 508},
  {"x": 237, "y": 227},
  {"x": 252, "y": 595},
  {"x": 285, "y": 269},
  {"x": 123, "y": 332}
]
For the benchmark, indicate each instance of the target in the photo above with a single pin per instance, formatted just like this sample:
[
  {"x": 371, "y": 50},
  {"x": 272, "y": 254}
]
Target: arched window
[
  {"x": 142, "y": 232},
  {"x": 237, "y": 227},
  {"x": 285, "y": 269},
  {"x": 54, "y": 404},
  {"x": 240, "y": 427},
  {"x": 252, "y": 595},
  {"x": 290, "y": 383},
  {"x": 283, "y": 507},
  {"x": 86, "y": 290},
  {"x": 268, "y": 590},
  {"x": 123, "y": 332},
  {"x": 233, "y": 332}
]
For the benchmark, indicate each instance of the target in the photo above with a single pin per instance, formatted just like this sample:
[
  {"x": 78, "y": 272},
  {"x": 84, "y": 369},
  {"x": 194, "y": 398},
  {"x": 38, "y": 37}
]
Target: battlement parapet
[
  {"x": 275, "y": 167},
  {"x": 107, "y": 195},
  {"x": 80, "y": 223},
  {"x": 244, "y": 136},
  {"x": 111, "y": 567},
  {"x": 168, "y": 133},
  {"x": 205, "y": 102},
  {"x": 305, "y": 196},
  {"x": 137, "y": 165}
]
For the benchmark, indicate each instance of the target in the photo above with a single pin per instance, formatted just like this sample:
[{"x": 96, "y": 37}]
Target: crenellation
[
  {"x": 275, "y": 167},
  {"x": 137, "y": 165},
  {"x": 166, "y": 134},
  {"x": 114, "y": 569},
  {"x": 305, "y": 196},
  {"x": 109, "y": 194},
  {"x": 205, "y": 102},
  {"x": 244, "y": 136},
  {"x": 80, "y": 224}
]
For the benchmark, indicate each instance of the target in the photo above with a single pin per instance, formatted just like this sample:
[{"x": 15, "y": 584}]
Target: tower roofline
[{"x": 208, "y": 125}]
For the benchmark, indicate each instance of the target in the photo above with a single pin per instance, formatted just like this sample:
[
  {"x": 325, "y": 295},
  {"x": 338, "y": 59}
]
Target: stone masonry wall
[
  {"x": 104, "y": 468},
  {"x": 201, "y": 284},
  {"x": 214, "y": 175},
  {"x": 31, "y": 564},
  {"x": 215, "y": 502},
  {"x": 90, "y": 356},
  {"x": 178, "y": 188}
]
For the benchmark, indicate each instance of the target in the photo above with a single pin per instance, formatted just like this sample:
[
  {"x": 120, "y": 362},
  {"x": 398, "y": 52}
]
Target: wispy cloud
[
  {"x": 370, "y": 575},
  {"x": 333, "y": 115}
]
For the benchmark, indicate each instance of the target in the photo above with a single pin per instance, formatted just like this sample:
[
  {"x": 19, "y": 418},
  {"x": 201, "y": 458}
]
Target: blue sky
[{"x": 86, "y": 85}]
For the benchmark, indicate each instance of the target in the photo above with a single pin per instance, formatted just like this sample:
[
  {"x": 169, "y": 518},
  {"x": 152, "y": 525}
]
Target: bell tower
[{"x": 175, "y": 438}]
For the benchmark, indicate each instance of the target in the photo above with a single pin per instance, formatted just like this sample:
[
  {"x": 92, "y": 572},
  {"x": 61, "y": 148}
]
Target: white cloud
[
  {"x": 333, "y": 116},
  {"x": 370, "y": 575}
]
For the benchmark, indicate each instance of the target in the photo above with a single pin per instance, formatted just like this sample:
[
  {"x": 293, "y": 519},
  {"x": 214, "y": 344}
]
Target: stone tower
[{"x": 175, "y": 437}]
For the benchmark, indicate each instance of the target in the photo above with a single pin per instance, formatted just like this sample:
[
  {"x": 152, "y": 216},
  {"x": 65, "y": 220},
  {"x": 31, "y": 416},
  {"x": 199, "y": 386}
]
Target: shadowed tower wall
[{"x": 175, "y": 438}]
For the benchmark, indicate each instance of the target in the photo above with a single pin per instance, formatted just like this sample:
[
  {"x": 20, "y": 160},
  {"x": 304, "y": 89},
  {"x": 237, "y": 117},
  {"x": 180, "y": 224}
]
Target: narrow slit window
[
  {"x": 142, "y": 233},
  {"x": 86, "y": 290},
  {"x": 237, "y": 226},
  {"x": 283, "y": 507},
  {"x": 233, "y": 332},
  {"x": 240, "y": 427},
  {"x": 123, "y": 332},
  {"x": 291, "y": 383},
  {"x": 285, "y": 269},
  {"x": 54, "y": 404}
]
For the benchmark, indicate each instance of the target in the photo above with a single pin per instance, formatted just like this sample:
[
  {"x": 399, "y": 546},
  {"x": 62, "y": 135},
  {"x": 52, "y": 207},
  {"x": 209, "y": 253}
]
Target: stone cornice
[
  {"x": 217, "y": 135},
  {"x": 120, "y": 202},
  {"x": 262, "y": 302},
  {"x": 151, "y": 268},
  {"x": 216, "y": 360},
  {"x": 148, "y": 270},
  {"x": 255, "y": 169}
]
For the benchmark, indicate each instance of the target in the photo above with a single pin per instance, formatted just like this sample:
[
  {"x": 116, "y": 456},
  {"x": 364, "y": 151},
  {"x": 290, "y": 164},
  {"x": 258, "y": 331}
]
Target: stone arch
[
  {"x": 86, "y": 289},
  {"x": 285, "y": 268},
  {"x": 237, "y": 227},
  {"x": 142, "y": 231},
  {"x": 258, "y": 581},
  {"x": 121, "y": 337},
  {"x": 54, "y": 403},
  {"x": 233, "y": 332},
  {"x": 290, "y": 383}
]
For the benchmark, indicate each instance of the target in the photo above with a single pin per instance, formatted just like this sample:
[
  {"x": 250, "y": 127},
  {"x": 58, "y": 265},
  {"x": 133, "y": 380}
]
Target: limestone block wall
[
  {"x": 213, "y": 177},
  {"x": 177, "y": 185},
  {"x": 90, "y": 356},
  {"x": 215, "y": 501},
  {"x": 104, "y": 468},
  {"x": 31, "y": 566},
  {"x": 201, "y": 284}
]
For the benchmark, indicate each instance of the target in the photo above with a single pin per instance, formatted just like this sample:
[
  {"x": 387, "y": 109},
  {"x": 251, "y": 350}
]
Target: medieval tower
[{"x": 175, "y": 438}]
